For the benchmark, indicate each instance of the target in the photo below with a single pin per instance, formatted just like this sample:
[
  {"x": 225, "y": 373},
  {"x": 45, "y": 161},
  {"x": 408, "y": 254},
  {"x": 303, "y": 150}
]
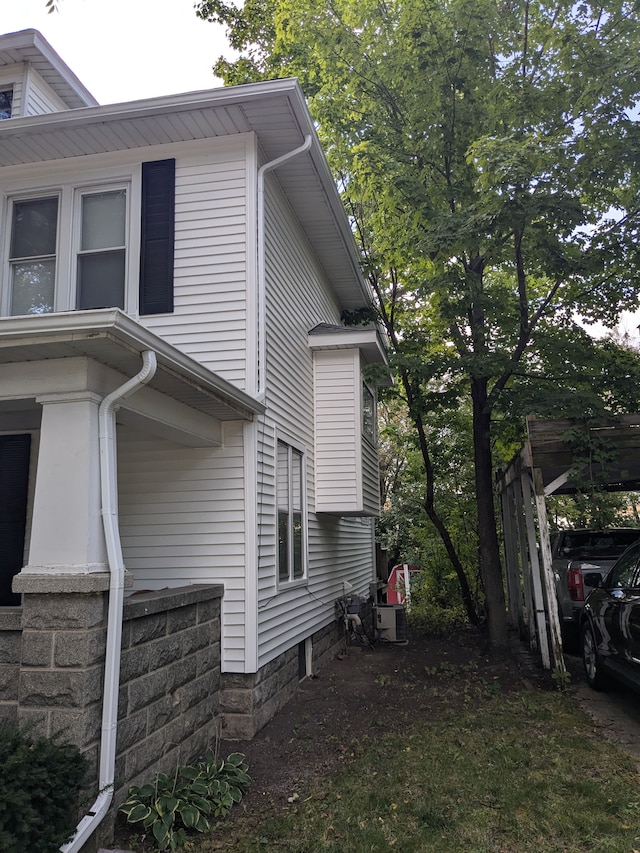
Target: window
[
  {"x": 77, "y": 247},
  {"x": 32, "y": 256},
  {"x": 368, "y": 412},
  {"x": 6, "y": 103},
  {"x": 624, "y": 570},
  {"x": 102, "y": 252},
  {"x": 290, "y": 496}
]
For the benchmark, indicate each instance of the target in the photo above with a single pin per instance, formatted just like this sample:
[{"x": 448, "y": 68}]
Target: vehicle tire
[{"x": 591, "y": 659}]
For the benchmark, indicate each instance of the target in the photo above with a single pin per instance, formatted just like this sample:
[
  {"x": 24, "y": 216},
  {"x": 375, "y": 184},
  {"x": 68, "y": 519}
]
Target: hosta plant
[{"x": 170, "y": 807}]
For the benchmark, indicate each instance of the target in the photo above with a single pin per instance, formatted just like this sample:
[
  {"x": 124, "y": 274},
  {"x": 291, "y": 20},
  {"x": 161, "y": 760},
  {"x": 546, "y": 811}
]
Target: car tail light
[{"x": 575, "y": 585}]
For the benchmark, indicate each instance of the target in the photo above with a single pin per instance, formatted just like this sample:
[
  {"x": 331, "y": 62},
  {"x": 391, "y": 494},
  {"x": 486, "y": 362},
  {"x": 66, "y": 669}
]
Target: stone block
[
  {"x": 162, "y": 712},
  {"x": 195, "y": 691},
  {"x": 198, "y": 637},
  {"x": 181, "y": 673},
  {"x": 208, "y": 659},
  {"x": 37, "y": 649},
  {"x": 165, "y": 651},
  {"x": 208, "y": 610},
  {"x": 10, "y": 643},
  {"x": 8, "y": 713},
  {"x": 182, "y": 618},
  {"x": 148, "y": 628},
  {"x": 80, "y": 648},
  {"x": 79, "y": 727},
  {"x": 143, "y": 691},
  {"x": 236, "y": 701},
  {"x": 53, "y": 611},
  {"x": 36, "y": 720},
  {"x": 135, "y": 662},
  {"x": 9, "y": 681},
  {"x": 145, "y": 755},
  {"x": 60, "y": 688},
  {"x": 132, "y": 730}
]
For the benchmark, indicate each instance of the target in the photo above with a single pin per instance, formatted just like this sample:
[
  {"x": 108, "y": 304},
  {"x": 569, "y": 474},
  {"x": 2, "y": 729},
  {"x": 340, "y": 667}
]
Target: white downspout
[
  {"x": 109, "y": 495},
  {"x": 262, "y": 308}
]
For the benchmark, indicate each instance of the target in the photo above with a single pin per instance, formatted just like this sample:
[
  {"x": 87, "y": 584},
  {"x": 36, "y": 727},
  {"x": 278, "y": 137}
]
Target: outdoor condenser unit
[{"x": 391, "y": 621}]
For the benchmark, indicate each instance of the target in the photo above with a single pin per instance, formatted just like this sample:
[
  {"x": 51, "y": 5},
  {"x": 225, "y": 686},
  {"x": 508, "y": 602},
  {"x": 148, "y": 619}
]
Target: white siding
[
  {"x": 40, "y": 98},
  {"x": 182, "y": 520},
  {"x": 339, "y": 549},
  {"x": 209, "y": 322}
]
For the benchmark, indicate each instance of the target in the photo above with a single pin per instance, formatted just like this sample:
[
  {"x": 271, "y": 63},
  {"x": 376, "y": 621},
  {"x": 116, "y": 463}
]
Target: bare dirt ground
[{"x": 368, "y": 693}]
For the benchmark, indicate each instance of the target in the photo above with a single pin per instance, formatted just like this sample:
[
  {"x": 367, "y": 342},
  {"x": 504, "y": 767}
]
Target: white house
[{"x": 174, "y": 273}]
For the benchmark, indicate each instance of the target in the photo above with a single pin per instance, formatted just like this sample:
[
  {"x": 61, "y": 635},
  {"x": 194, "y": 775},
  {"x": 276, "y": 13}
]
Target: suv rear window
[{"x": 582, "y": 544}]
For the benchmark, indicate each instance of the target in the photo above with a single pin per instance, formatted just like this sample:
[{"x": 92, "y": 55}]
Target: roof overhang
[
  {"x": 275, "y": 111},
  {"x": 30, "y": 46},
  {"x": 367, "y": 339},
  {"x": 113, "y": 339}
]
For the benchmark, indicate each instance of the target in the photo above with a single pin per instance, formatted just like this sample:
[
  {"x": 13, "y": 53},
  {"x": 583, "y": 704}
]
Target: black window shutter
[
  {"x": 14, "y": 483},
  {"x": 157, "y": 237}
]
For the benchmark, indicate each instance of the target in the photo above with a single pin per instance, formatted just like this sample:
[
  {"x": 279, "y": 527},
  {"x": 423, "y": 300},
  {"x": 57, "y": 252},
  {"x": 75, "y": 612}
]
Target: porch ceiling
[
  {"x": 110, "y": 337},
  {"x": 553, "y": 453}
]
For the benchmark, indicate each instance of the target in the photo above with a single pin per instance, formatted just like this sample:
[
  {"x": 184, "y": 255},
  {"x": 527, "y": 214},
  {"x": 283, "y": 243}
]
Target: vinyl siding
[
  {"x": 40, "y": 98},
  {"x": 182, "y": 520},
  {"x": 339, "y": 549},
  {"x": 209, "y": 321}
]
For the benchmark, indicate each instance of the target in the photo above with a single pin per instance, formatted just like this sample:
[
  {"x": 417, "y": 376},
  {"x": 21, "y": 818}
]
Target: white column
[{"x": 66, "y": 534}]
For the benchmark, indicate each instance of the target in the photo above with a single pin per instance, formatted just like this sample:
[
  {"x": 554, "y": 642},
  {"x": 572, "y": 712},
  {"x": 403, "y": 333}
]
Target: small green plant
[
  {"x": 561, "y": 678},
  {"x": 170, "y": 807},
  {"x": 40, "y": 784}
]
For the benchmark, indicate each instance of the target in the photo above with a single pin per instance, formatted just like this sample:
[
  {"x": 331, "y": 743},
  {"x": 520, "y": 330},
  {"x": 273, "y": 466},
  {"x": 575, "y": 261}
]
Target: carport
[{"x": 560, "y": 456}]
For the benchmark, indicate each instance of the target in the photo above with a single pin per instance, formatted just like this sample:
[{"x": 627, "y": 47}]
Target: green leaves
[{"x": 185, "y": 801}]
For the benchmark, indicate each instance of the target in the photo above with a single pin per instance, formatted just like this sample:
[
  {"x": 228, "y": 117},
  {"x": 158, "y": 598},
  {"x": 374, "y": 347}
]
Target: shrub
[
  {"x": 431, "y": 613},
  {"x": 40, "y": 784},
  {"x": 171, "y": 806}
]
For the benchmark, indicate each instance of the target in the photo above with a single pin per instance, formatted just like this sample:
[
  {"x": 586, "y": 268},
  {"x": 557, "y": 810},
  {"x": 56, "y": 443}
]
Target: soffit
[
  {"x": 111, "y": 338},
  {"x": 29, "y": 46},
  {"x": 275, "y": 111}
]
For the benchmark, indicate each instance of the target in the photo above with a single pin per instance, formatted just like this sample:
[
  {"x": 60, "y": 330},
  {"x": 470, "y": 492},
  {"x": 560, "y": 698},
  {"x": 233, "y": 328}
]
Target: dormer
[
  {"x": 34, "y": 80},
  {"x": 345, "y": 399}
]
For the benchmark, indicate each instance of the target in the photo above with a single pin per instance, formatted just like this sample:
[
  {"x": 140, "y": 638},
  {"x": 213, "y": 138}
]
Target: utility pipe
[
  {"x": 109, "y": 510},
  {"x": 262, "y": 286}
]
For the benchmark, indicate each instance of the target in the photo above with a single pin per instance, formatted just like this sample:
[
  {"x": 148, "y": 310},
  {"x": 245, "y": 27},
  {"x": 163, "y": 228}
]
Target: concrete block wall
[
  {"x": 169, "y": 702},
  {"x": 10, "y": 650},
  {"x": 249, "y": 701}
]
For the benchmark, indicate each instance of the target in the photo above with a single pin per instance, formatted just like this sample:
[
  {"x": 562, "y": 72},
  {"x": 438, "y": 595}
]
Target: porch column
[{"x": 67, "y": 535}]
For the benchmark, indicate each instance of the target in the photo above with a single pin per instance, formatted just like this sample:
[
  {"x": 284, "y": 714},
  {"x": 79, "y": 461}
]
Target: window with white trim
[
  {"x": 105, "y": 245},
  {"x": 368, "y": 412},
  {"x": 291, "y": 520}
]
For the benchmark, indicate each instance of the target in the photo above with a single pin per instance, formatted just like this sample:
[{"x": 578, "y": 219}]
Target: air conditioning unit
[{"x": 391, "y": 621}]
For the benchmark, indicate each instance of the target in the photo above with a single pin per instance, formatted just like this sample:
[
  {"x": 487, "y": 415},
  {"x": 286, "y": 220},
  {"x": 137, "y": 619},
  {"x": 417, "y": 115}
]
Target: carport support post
[
  {"x": 530, "y": 609},
  {"x": 538, "y": 598},
  {"x": 547, "y": 574}
]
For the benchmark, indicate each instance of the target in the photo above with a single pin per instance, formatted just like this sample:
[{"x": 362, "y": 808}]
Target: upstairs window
[
  {"x": 32, "y": 256},
  {"x": 6, "y": 103},
  {"x": 368, "y": 412},
  {"x": 291, "y": 538},
  {"x": 102, "y": 251}
]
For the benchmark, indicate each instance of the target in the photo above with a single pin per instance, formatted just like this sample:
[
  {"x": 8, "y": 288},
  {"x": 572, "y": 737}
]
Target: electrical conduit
[
  {"x": 262, "y": 287},
  {"x": 109, "y": 500}
]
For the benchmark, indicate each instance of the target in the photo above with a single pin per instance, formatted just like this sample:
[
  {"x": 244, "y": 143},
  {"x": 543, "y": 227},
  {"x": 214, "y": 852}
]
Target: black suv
[{"x": 610, "y": 623}]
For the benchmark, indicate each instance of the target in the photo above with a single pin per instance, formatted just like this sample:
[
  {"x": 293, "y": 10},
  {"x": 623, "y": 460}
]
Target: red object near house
[{"x": 399, "y": 588}]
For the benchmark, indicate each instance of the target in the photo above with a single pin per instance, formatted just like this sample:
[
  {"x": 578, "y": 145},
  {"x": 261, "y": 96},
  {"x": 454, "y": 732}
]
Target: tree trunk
[{"x": 490, "y": 564}]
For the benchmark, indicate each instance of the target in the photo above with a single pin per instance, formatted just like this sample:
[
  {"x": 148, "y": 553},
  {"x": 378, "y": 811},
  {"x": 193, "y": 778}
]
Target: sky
[{"x": 123, "y": 50}]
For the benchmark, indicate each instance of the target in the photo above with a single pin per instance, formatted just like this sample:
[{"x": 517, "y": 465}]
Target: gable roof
[
  {"x": 275, "y": 111},
  {"x": 31, "y": 47}
]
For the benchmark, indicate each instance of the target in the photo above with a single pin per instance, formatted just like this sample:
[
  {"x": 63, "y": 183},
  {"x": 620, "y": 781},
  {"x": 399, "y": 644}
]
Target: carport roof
[{"x": 552, "y": 452}]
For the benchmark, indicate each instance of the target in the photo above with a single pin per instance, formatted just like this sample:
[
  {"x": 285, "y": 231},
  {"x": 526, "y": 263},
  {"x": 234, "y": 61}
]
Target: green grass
[{"x": 515, "y": 773}]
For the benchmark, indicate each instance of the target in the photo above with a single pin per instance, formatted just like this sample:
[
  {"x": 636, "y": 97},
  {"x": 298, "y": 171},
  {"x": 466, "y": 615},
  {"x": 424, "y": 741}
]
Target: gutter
[
  {"x": 262, "y": 286},
  {"x": 109, "y": 493}
]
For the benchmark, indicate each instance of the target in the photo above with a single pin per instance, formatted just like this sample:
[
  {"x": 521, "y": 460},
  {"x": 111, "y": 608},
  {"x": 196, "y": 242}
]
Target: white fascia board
[{"x": 366, "y": 340}]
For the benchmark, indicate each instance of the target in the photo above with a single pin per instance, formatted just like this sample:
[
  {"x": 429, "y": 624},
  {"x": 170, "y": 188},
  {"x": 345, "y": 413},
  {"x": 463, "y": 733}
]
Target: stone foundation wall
[
  {"x": 248, "y": 702},
  {"x": 10, "y": 649}
]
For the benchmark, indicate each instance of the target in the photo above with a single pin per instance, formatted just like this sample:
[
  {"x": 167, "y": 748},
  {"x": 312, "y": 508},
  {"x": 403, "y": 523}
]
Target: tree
[{"x": 486, "y": 152}]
